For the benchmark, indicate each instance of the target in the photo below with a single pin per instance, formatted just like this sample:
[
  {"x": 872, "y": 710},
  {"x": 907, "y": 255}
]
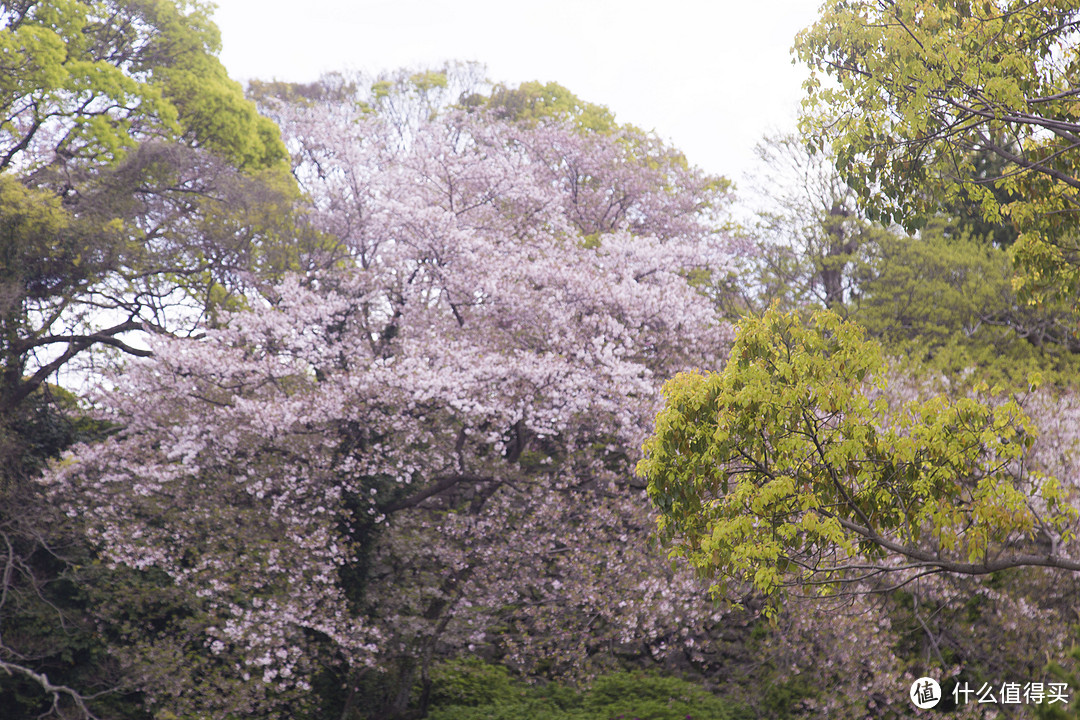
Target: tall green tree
[
  {"x": 138, "y": 188},
  {"x": 534, "y": 101},
  {"x": 911, "y": 93},
  {"x": 122, "y": 144},
  {"x": 946, "y": 302},
  {"x": 86, "y": 80}
]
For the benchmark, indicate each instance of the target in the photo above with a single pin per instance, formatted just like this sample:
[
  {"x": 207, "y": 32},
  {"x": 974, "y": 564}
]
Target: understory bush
[{"x": 471, "y": 690}]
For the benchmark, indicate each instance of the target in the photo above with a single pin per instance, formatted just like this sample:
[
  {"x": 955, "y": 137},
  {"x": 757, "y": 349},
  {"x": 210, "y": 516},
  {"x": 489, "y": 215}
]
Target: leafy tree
[
  {"x": 761, "y": 471},
  {"x": 533, "y": 101},
  {"x": 930, "y": 289},
  {"x": 471, "y": 691},
  {"x": 940, "y": 297},
  {"x": 948, "y": 305},
  {"x": 123, "y": 150},
  {"x": 138, "y": 188},
  {"x": 791, "y": 468},
  {"x": 89, "y": 79},
  {"x": 912, "y": 93},
  {"x": 963, "y": 213}
]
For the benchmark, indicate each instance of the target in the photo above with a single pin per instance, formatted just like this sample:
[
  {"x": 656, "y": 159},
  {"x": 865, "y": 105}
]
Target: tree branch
[
  {"x": 56, "y": 691},
  {"x": 441, "y": 485}
]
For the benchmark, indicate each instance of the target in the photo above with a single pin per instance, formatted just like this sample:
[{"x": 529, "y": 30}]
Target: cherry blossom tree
[{"x": 369, "y": 464}]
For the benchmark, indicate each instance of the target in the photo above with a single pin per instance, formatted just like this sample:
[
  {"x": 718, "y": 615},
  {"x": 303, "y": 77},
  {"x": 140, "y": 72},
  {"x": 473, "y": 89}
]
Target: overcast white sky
[{"x": 710, "y": 76}]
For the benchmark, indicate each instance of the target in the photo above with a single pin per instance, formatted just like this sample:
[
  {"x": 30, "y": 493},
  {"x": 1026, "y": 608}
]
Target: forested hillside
[{"x": 426, "y": 396}]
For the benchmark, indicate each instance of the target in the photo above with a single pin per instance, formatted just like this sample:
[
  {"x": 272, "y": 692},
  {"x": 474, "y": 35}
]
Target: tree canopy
[
  {"x": 138, "y": 189},
  {"x": 370, "y": 374},
  {"x": 381, "y": 457},
  {"x": 913, "y": 94},
  {"x": 86, "y": 80},
  {"x": 134, "y": 175},
  {"x": 794, "y": 467}
]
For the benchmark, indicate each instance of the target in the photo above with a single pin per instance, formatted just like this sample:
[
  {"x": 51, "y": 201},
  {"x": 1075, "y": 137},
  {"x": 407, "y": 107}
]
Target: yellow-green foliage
[
  {"x": 211, "y": 107},
  {"x": 153, "y": 61},
  {"x": 789, "y": 463},
  {"x": 932, "y": 288},
  {"x": 472, "y": 690},
  {"x": 532, "y": 101},
  {"x": 909, "y": 94},
  {"x": 947, "y": 304},
  {"x": 37, "y": 249}
]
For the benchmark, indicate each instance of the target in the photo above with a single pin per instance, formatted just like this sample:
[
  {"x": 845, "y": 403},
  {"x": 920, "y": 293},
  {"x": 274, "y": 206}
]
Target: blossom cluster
[{"x": 437, "y": 426}]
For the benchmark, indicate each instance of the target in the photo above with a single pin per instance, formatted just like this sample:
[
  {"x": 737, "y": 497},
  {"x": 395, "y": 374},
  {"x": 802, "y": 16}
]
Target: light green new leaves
[
  {"x": 94, "y": 77},
  {"x": 909, "y": 93},
  {"x": 51, "y": 69},
  {"x": 789, "y": 467}
]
